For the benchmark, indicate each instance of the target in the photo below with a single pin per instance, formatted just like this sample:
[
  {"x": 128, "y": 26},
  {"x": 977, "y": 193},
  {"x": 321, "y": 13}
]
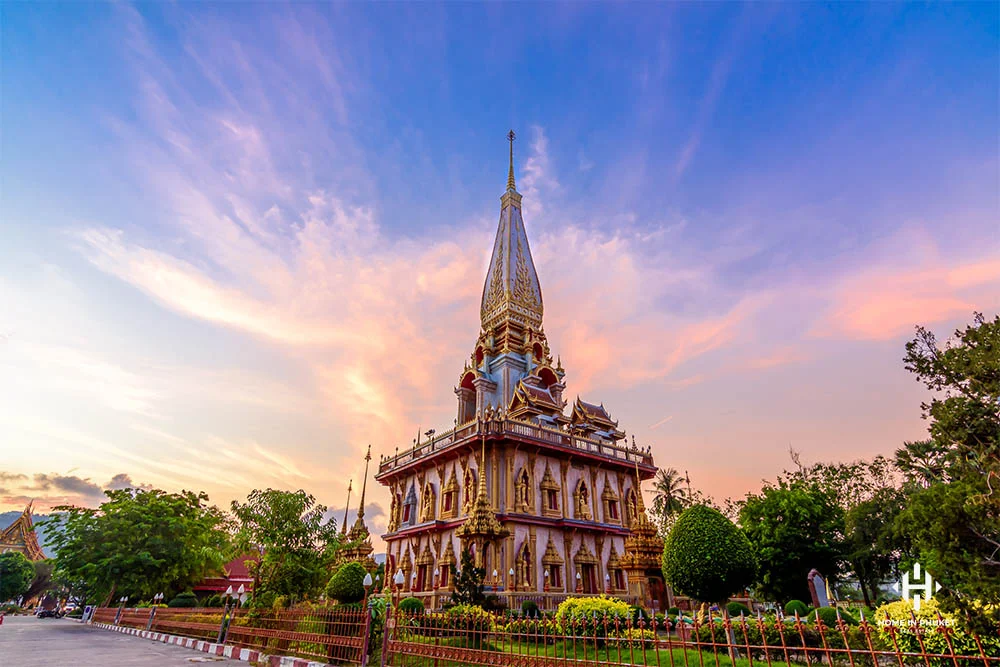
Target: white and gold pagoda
[{"x": 547, "y": 502}]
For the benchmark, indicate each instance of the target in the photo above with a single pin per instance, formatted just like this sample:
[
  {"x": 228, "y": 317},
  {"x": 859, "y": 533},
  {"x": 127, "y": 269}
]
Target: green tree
[
  {"x": 954, "y": 522},
  {"x": 139, "y": 543},
  {"x": 707, "y": 557},
  {"x": 347, "y": 583},
  {"x": 848, "y": 484},
  {"x": 669, "y": 496},
  {"x": 873, "y": 551},
  {"x": 16, "y": 573},
  {"x": 921, "y": 462},
  {"x": 468, "y": 582},
  {"x": 42, "y": 582},
  {"x": 793, "y": 528},
  {"x": 292, "y": 545}
]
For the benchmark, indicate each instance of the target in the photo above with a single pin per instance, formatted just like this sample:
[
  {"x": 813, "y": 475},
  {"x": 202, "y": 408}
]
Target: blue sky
[{"x": 254, "y": 234}]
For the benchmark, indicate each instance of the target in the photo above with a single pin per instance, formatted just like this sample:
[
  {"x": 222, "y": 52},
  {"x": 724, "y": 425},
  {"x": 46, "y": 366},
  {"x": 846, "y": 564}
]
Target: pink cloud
[{"x": 884, "y": 303}]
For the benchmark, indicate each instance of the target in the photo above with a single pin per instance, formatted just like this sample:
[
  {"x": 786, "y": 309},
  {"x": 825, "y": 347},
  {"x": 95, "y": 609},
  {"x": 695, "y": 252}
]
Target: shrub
[
  {"x": 674, "y": 611},
  {"x": 638, "y": 615},
  {"x": 829, "y": 616},
  {"x": 706, "y": 556},
  {"x": 895, "y": 617},
  {"x": 347, "y": 583},
  {"x": 411, "y": 605},
  {"x": 796, "y": 606},
  {"x": 263, "y": 600},
  {"x": 471, "y": 615},
  {"x": 494, "y": 604},
  {"x": 185, "y": 599},
  {"x": 736, "y": 608},
  {"x": 213, "y": 601},
  {"x": 592, "y": 615},
  {"x": 529, "y": 608}
]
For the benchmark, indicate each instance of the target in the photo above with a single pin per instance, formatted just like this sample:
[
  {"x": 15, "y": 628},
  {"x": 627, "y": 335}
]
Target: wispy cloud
[{"x": 661, "y": 422}]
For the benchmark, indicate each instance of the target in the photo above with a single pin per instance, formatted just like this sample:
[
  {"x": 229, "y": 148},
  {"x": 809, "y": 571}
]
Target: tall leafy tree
[
  {"x": 139, "y": 543},
  {"x": 16, "y": 573},
  {"x": 953, "y": 522},
  {"x": 793, "y": 528},
  {"x": 873, "y": 551},
  {"x": 870, "y": 495},
  {"x": 289, "y": 545}
]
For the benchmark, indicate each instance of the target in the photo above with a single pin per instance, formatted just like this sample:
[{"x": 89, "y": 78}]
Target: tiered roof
[{"x": 20, "y": 536}]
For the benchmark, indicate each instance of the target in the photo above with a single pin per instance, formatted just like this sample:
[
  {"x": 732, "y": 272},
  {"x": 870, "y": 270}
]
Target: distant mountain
[{"x": 7, "y": 518}]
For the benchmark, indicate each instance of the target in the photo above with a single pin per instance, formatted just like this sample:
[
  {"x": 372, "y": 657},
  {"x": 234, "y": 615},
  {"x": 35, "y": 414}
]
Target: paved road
[{"x": 26, "y": 641}]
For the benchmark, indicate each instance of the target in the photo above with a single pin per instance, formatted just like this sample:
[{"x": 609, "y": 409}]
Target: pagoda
[
  {"x": 20, "y": 536},
  {"x": 359, "y": 547},
  {"x": 548, "y": 502}
]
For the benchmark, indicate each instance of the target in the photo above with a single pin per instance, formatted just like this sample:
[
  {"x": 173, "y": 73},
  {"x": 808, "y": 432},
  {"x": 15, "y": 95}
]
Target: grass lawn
[{"x": 528, "y": 653}]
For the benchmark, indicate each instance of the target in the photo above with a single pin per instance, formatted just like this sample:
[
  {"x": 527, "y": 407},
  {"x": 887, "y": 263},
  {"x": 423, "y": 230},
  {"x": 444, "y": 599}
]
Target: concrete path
[{"x": 26, "y": 641}]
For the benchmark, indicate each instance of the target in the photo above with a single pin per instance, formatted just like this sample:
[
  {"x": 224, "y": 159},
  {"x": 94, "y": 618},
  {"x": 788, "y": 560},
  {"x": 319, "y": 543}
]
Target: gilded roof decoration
[
  {"x": 20, "y": 536},
  {"x": 512, "y": 292},
  {"x": 482, "y": 522},
  {"x": 551, "y": 556}
]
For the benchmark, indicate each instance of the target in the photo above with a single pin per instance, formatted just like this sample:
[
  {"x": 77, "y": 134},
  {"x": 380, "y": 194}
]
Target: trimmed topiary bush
[
  {"x": 829, "y": 616},
  {"x": 529, "y": 609},
  {"x": 185, "y": 599},
  {"x": 213, "y": 601},
  {"x": 674, "y": 611},
  {"x": 707, "y": 557},
  {"x": 411, "y": 606},
  {"x": 796, "y": 607},
  {"x": 347, "y": 583},
  {"x": 736, "y": 608}
]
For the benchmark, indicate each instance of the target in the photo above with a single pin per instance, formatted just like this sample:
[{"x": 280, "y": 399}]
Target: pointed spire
[
  {"x": 482, "y": 523},
  {"x": 510, "y": 172},
  {"x": 364, "y": 484},
  {"x": 347, "y": 505}
]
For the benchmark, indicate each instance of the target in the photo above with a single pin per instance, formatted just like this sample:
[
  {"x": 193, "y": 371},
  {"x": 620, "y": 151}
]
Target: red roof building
[{"x": 234, "y": 573}]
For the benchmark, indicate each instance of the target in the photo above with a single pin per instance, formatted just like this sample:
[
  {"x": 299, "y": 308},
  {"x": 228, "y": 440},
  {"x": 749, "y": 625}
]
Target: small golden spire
[
  {"x": 510, "y": 172},
  {"x": 364, "y": 484},
  {"x": 343, "y": 526}
]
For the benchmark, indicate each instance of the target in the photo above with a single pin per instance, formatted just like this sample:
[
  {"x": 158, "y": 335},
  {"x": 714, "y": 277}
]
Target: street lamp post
[
  {"x": 121, "y": 608},
  {"x": 367, "y": 583},
  {"x": 397, "y": 580},
  {"x": 229, "y": 597},
  {"x": 152, "y": 610}
]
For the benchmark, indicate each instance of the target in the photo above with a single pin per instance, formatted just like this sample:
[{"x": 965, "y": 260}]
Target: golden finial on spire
[
  {"x": 364, "y": 484},
  {"x": 510, "y": 172},
  {"x": 343, "y": 526}
]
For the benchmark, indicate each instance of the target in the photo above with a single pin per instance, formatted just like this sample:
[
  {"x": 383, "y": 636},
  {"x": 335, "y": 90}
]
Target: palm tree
[
  {"x": 670, "y": 496},
  {"x": 922, "y": 461}
]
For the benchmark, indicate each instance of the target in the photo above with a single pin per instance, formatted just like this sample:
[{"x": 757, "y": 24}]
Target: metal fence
[
  {"x": 447, "y": 639},
  {"x": 327, "y": 634}
]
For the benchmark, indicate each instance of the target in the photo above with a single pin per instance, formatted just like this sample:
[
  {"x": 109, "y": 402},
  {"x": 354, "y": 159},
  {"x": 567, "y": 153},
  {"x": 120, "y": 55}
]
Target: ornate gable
[{"x": 20, "y": 536}]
